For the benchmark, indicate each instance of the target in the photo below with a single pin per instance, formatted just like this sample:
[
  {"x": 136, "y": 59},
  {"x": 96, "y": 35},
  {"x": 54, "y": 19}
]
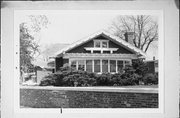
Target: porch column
[
  {"x": 101, "y": 65},
  {"x": 108, "y": 65},
  {"x": 116, "y": 67},
  {"x": 92, "y": 65}
]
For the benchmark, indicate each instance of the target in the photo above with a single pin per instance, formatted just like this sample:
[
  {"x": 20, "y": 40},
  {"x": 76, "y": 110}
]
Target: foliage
[
  {"x": 68, "y": 76},
  {"x": 140, "y": 67},
  {"x": 29, "y": 46},
  {"x": 104, "y": 79},
  {"x": 150, "y": 79},
  {"x": 144, "y": 27},
  {"x": 132, "y": 75}
]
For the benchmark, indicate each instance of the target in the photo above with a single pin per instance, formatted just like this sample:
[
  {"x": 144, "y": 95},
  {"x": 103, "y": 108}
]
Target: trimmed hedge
[{"x": 132, "y": 75}]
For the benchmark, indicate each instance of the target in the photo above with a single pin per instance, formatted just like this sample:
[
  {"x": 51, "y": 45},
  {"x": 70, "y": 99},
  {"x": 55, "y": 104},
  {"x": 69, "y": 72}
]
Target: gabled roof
[{"x": 116, "y": 39}]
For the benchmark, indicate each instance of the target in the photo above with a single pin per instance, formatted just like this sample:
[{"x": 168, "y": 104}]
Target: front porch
[{"x": 96, "y": 62}]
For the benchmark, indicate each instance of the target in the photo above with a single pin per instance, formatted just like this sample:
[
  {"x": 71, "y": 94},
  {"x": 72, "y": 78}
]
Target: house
[
  {"x": 99, "y": 52},
  {"x": 152, "y": 66}
]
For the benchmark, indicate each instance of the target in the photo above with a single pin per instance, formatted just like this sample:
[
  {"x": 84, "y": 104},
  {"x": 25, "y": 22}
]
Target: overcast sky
[{"x": 68, "y": 27}]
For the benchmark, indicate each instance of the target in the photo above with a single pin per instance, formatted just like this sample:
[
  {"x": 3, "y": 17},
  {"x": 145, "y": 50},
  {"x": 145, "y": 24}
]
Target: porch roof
[{"x": 99, "y": 55}]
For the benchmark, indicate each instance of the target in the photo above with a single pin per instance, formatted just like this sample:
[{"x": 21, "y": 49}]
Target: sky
[{"x": 69, "y": 26}]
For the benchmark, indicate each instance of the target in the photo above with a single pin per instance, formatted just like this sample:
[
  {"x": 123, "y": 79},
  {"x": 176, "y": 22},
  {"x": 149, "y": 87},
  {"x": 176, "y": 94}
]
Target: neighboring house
[
  {"x": 100, "y": 52},
  {"x": 43, "y": 59},
  {"x": 152, "y": 66}
]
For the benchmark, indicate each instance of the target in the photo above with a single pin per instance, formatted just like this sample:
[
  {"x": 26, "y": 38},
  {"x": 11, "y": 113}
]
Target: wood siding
[{"x": 80, "y": 49}]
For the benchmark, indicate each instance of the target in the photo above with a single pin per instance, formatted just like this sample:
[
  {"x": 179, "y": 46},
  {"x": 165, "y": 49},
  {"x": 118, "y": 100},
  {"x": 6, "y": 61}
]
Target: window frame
[
  {"x": 101, "y": 43},
  {"x": 101, "y": 64}
]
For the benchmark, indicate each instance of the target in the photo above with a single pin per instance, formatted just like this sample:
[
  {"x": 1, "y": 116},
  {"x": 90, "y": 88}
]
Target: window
[
  {"x": 81, "y": 65},
  {"x": 96, "y": 65},
  {"x": 119, "y": 65},
  {"x": 73, "y": 64},
  {"x": 104, "y": 44},
  {"x": 101, "y": 43},
  {"x": 97, "y": 44},
  {"x": 89, "y": 65},
  {"x": 104, "y": 65},
  {"x": 112, "y": 65},
  {"x": 127, "y": 63}
]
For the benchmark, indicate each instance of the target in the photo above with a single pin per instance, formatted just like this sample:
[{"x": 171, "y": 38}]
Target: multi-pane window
[
  {"x": 127, "y": 63},
  {"x": 96, "y": 65},
  {"x": 89, "y": 65},
  {"x": 112, "y": 65},
  {"x": 97, "y": 44},
  {"x": 81, "y": 65},
  {"x": 101, "y": 43},
  {"x": 104, "y": 44},
  {"x": 73, "y": 64},
  {"x": 120, "y": 65},
  {"x": 104, "y": 65}
]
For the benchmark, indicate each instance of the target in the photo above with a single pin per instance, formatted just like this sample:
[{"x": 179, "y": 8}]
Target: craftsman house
[{"x": 99, "y": 52}]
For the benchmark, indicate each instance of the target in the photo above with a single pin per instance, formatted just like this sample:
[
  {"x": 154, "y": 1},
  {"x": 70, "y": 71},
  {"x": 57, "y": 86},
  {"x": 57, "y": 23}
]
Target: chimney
[{"x": 129, "y": 36}]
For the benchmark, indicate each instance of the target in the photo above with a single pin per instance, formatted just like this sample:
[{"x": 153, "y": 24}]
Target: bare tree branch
[{"x": 145, "y": 29}]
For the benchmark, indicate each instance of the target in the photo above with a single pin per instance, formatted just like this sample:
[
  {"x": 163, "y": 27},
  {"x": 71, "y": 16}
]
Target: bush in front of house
[
  {"x": 52, "y": 79},
  {"x": 139, "y": 67},
  {"x": 104, "y": 79},
  {"x": 150, "y": 79},
  {"x": 68, "y": 76},
  {"x": 132, "y": 75},
  {"x": 79, "y": 78},
  {"x": 83, "y": 78}
]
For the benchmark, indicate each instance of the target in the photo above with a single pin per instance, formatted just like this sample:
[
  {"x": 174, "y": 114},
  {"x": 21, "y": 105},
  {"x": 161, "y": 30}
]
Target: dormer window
[{"x": 101, "y": 44}]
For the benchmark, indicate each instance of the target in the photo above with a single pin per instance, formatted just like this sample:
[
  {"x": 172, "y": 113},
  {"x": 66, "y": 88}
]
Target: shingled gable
[{"x": 111, "y": 37}]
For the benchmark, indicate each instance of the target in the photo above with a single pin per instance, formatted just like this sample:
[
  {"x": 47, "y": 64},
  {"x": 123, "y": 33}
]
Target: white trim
[
  {"x": 95, "y": 55},
  {"x": 84, "y": 65},
  {"x": 116, "y": 66},
  {"x": 84, "y": 59},
  {"x": 108, "y": 65},
  {"x": 100, "y": 49},
  {"x": 101, "y": 65},
  {"x": 93, "y": 65}
]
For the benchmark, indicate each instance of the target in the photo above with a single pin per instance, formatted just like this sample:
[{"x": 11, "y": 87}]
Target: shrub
[
  {"x": 132, "y": 75},
  {"x": 48, "y": 80},
  {"x": 81, "y": 78},
  {"x": 68, "y": 76},
  {"x": 140, "y": 67},
  {"x": 150, "y": 79},
  {"x": 116, "y": 79},
  {"x": 104, "y": 79}
]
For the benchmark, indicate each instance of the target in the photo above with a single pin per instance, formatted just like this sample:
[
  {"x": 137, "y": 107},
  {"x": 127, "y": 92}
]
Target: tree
[
  {"x": 29, "y": 46},
  {"x": 144, "y": 27}
]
